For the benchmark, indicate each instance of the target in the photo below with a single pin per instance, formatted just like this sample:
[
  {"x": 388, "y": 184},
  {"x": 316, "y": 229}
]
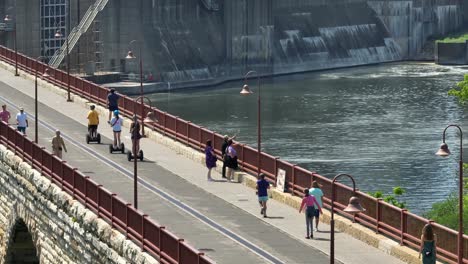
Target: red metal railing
[
  {"x": 151, "y": 237},
  {"x": 384, "y": 218}
]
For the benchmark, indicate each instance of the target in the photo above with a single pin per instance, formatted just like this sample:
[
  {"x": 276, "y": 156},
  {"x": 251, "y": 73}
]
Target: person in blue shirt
[
  {"x": 317, "y": 193},
  {"x": 262, "y": 192},
  {"x": 112, "y": 102}
]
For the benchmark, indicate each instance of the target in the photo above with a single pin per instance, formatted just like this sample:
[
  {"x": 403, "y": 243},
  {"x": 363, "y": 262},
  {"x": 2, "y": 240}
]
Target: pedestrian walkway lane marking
[{"x": 169, "y": 198}]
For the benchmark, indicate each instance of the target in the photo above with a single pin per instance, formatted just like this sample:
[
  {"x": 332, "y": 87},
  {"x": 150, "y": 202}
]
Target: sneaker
[
  {"x": 210, "y": 179},
  {"x": 231, "y": 180},
  {"x": 316, "y": 229},
  {"x": 224, "y": 177},
  {"x": 307, "y": 237},
  {"x": 265, "y": 216}
]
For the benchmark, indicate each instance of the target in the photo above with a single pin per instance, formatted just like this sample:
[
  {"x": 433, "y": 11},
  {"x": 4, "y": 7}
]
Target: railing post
[
  {"x": 160, "y": 240},
  {"x": 62, "y": 164},
  {"x": 143, "y": 232},
  {"x": 112, "y": 209},
  {"x": 243, "y": 156},
  {"x": 403, "y": 220},
  {"x": 73, "y": 182},
  {"x": 377, "y": 215},
  {"x": 275, "y": 170},
  {"x": 200, "y": 254},
  {"x": 126, "y": 219},
  {"x": 164, "y": 123},
  {"x": 200, "y": 147},
  {"x": 98, "y": 200},
  {"x": 86, "y": 191},
  {"x": 42, "y": 160},
  {"x": 293, "y": 178},
  {"x": 180, "y": 240},
  {"x": 175, "y": 126},
  {"x": 188, "y": 135}
]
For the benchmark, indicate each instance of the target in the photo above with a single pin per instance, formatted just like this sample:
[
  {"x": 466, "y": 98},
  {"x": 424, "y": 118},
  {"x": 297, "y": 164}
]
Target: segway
[
  {"x": 90, "y": 138},
  {"x": 130, "y": 155},
  {"x": 120, "y": 148}
]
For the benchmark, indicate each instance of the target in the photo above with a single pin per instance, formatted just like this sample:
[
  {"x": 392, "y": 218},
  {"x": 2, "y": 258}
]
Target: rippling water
[{"x": 382, "y": 124}]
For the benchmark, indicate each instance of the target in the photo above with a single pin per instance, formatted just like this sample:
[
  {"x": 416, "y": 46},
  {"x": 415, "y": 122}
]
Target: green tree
[
  {"x": 446, "y": 212},
  {"x": 462, "y": 91},
  {"x": 391, "y": 198}
]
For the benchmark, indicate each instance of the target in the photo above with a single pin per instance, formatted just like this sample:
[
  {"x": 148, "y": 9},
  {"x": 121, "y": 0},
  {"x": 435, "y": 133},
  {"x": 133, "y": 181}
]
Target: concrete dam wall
[{"x": 193, "y": 40}]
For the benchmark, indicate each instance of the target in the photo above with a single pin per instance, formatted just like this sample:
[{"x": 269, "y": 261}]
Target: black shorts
[
  {"x": 92, "y": 127},
  {"x": 113, "y": 108}
]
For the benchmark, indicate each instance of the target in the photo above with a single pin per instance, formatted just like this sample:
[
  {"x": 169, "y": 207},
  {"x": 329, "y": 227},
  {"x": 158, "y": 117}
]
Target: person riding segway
[
  {"x": 116, "y": 124},
  {"x": 136, "y": 136},
  {"x": 93, "y": 122}
]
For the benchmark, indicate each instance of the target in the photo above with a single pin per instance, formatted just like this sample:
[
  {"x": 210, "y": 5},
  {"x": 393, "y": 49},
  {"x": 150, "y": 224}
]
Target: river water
[{"x": 382, "y": 124}]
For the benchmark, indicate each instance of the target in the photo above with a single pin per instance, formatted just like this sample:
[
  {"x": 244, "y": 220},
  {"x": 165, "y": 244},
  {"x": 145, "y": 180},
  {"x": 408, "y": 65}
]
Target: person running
[
  {"x": 135, "y": 135},
  {"x": 58, "y": 144},
  {"x": 22, "y": 121},
  {"x": 317, "y": 193},
  {"x": 310, "y": 202},
  {"x": 428, "y": 247},
  {"x": 4, "y": 114},
  {"x": 93, "y": 121},
  {"x": 262, "y": 193},
  {"x": 210, "y": 158},
  {"x": 112, "y": 102},
  {"x": 116, "y": 124}
]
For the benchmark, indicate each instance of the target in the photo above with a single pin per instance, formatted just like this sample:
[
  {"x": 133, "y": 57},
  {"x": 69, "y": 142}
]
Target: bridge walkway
[{"x": 214, "y": 217}]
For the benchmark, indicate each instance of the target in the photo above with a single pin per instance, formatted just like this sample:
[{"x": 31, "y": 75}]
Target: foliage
[
  {"x": 454, "y": 38},
  {"x": 462, "y": 92},
  {"x": 391, "y": 198},
  {"x": 446, "y": 212}
]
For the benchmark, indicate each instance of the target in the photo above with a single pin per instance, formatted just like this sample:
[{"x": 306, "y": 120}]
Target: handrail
[{"x": 399, "y": 224}]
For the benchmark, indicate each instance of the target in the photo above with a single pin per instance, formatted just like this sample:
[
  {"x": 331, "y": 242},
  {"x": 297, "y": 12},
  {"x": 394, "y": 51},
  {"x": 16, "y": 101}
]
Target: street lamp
[
  {"x": 36, "y": 120},
  {"x": 444, "y": 152},
  {"x": 130, "y": 56},
  {"x": 353, "y": 207},
  {"x": 150, "y": 119},
  {"x": 8, "y": 20},
  {"x": 58, "y": 34},
  {"x": 246, "y": 91}
]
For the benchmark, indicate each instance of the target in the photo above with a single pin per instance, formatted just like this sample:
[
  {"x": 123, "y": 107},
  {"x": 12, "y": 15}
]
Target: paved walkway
[{"x": 221, "y": 214}]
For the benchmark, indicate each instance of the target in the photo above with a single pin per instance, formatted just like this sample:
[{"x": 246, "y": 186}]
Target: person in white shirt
[
  {"x": 116, "y": 124},
  {"x": 22, "y": 121}
]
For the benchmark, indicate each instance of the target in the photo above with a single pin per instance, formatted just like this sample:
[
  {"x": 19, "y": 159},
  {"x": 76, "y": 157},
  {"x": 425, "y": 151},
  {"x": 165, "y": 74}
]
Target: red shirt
[{"x": 5, "y": 116}]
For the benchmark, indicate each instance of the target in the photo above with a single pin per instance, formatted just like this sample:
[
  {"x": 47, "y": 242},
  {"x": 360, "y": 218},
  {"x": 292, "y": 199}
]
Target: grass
[{"x": 458, "y": 38}]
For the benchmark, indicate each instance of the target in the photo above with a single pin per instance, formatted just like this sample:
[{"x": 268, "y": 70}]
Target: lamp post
[
  {"x": 130, "y": 55},
  {"x": 444, "y": 152},
  {"x": 8, "y": 20},
  {"x": 246, "y": 91},
  {"x": 149, "y": 119},
  {"x": 353, "y": 207},
  {"x": 58, "y": 34},
  {"x": 36, "y": 120}
]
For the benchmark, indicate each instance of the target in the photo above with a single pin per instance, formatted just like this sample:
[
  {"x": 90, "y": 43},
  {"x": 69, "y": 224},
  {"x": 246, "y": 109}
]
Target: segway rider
[
  {"x": 116, "y": 124},
  {"x": 93, "y": 121},
  {"x": 135, "y": 134},
  {"x": 112, "y": 102}
]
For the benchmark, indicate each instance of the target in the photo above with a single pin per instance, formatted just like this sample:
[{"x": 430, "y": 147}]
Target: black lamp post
[
  {"x": 8, "y": 20},
  {"x": 36, "y": 120},
  {"x": 149, "y": 119},
  {"x": 353, "y": 207},
  {"x": 444, "y": 152},
  {"x": 246, "y": 91},
  {"x": 58, "y": 34},
  {"x": 131, "y": 55}
]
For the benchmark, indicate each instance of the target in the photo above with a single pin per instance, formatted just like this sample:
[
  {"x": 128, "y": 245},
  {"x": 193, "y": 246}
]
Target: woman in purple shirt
[{"x": 210, "y": 158}]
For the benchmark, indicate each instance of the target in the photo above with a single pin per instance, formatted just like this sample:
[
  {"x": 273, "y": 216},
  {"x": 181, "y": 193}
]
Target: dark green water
[{"x": 382, "y": 124}]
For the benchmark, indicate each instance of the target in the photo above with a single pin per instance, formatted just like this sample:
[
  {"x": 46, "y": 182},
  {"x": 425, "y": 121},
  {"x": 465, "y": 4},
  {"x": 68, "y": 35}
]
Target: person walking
[
  {"x": 210, "y": 158},
  {"x": 22, "y": 121},
  {"x": 116, "y": 124},
  {"x": 58, "y": 145},
  {"x": 112, "y": 102},
  {"x": 93, "y": 121},
  {"x": 317, "y": 193},
  {"x": 223, "y": 153},
  {"x": 428, "y": 247},
  {"x": 232, "y": 165},
  {"x": 262, "y": 193},
  {"x": 135, "y": 135},
  {"x": 310, "y": 202},
  {"x": 4, "y": 114}
]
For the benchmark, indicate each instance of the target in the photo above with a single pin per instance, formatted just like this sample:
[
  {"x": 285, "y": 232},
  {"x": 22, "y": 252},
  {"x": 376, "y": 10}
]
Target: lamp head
[
  {"x": 7, "y": 18},
  {"x": 58, "y": 34},
  {"x": 130, "y": 55},
  {"x": 246, "y": 90},
  {"x": 443, "y": 150},
  {"x": 354, "y": 206},
  {"x": 150, "y": 118}
]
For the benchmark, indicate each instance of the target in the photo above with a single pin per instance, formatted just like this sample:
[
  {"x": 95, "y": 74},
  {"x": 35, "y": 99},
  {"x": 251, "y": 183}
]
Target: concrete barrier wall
[{"x": 451, "y": 53}]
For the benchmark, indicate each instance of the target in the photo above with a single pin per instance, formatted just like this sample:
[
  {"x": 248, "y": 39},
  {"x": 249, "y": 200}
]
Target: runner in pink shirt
[
  {"x": 4, "y": 114},
  {"x": 310, "y": 202}
]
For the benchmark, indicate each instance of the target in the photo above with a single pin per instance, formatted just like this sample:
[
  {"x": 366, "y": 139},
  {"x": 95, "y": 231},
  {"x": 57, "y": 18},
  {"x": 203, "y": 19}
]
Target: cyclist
[{"x": 116, "y": 124}]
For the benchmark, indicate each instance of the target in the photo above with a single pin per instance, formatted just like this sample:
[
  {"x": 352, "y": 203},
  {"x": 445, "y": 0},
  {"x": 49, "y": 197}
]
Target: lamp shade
[
  {"x": 58, "y": 34},
  {"x": 130, "y": 55},
  {"x": 443, "y": 150},
  {"x": 150, "y": 118},
  {"x": 354, "y": 206},
  {"x": 246, "y": 90}
]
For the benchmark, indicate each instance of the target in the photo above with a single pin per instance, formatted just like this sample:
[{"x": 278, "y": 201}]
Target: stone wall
[
  {"x": 61, "y": 229},
  {"x": 451, "y": 53}
]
